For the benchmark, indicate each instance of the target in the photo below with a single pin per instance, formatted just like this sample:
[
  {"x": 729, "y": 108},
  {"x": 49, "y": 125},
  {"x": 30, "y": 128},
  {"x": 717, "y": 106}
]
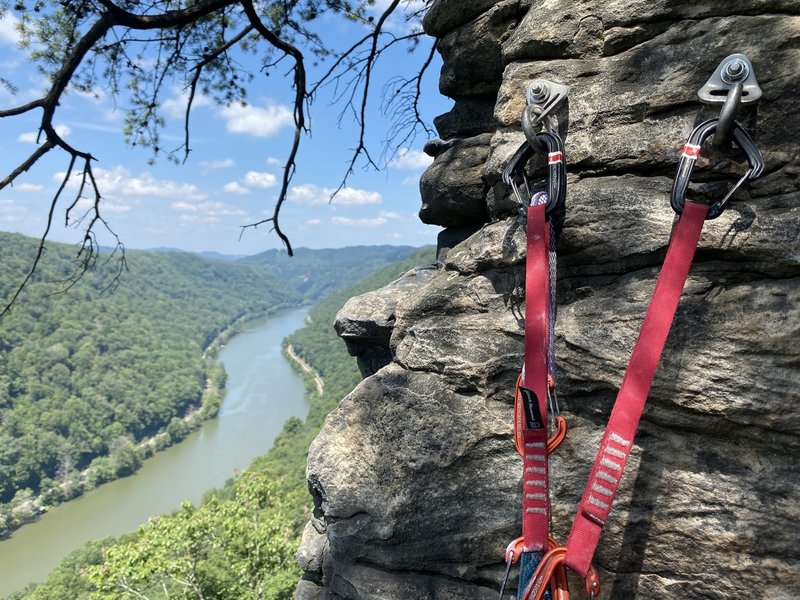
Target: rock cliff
[{"x": 415, "y": 477}]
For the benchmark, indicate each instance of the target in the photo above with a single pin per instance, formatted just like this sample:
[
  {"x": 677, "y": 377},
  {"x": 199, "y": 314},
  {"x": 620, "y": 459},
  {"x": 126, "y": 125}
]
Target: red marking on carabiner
[
  {"x": 555, "y": 157},
  {"x": 691, "y": 151}
]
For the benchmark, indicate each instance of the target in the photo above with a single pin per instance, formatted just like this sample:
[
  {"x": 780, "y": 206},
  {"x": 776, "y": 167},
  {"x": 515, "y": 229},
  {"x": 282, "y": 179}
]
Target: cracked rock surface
[{"x": 415, "y": 476}]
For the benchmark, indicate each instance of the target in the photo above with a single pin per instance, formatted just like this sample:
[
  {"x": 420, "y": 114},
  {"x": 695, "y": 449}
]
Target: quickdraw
[
  {"x": 536, "y": 387},
  {"x": 535, "y": 396},
  {"x": 617, "y": 442},
  {"x": 691, "y": 152}
]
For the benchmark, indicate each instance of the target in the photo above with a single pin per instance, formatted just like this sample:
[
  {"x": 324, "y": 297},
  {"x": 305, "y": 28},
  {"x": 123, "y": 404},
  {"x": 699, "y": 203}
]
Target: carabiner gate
[
  {"x": 556, "y": 180},
  {"x": 689, "y": 157}
]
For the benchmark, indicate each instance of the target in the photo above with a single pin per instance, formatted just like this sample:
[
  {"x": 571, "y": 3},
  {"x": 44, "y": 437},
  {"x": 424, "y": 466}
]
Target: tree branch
[
  {"x": 28, "y": 163},
  {"x": 362, "y": 148},
  {"x": 196, "y": 79},
  {"x": 408, "y": 102},
  {"x": 172, "y": 18},
  {"x": 75, "y": 49},
  {"x": 299, "y": 117}
]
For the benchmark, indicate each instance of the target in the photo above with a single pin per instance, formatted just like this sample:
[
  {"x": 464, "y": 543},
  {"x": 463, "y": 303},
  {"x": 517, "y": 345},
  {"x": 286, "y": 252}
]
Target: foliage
[
  {"x": 268, "y": 504},
  {"x": 86, "y": 376},
  {"x": 234, "y": 547},
  {"x": 69, "y": 580}
]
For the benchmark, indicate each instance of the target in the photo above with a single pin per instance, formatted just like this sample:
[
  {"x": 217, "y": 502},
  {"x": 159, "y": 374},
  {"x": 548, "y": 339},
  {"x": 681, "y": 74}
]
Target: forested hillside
[
  {"x": 87, "y": 374},
  {"x": 315, "y": 273},
  {"x": 241, "y": 541}
]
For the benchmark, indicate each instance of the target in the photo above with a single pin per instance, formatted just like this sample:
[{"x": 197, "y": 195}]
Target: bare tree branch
[
  {"x": 28, "y": 163},
  {"x": 40, "y": 249},
  {"x": 80, "y": 55},
  {"x": 13, "y": 112},
  {"x": 324, "y": 79},
  {"x": 300, "y": 97},
  {"x": 402, "y": 105},
  {"x": 361, "y": 148},
  {"x": 211, "y": 57},
  {"x": 171, "y": 18}
]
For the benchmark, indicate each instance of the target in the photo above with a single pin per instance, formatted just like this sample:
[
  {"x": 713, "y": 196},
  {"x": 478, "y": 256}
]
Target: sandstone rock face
[{"x": 415, "y": 476}]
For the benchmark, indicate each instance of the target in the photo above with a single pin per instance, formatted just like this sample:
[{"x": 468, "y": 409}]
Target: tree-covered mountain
[
  {"x": 241, "y": 541},
  {"x": 315, "y": 273},
  {"x": 96, "y": 376},
  {"x": 87, "y": 373}
]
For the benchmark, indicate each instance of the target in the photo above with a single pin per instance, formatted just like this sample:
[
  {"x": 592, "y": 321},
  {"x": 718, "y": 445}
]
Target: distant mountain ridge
[
  {"x": 317, "y": 272},
  {"x": 207, "y": 254},
  {"x": 314, "y": 272}
]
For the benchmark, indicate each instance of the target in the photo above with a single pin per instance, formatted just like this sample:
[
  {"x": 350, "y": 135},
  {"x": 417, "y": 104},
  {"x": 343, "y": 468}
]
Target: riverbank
[
  {"x": 264, "y": 391},
  {"x": 318, "y": 381},
  {"x": 128, "y": 456}
]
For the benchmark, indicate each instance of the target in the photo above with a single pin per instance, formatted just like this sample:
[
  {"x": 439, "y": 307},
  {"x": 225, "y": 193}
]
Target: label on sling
[{"x": 533, "y": 416}]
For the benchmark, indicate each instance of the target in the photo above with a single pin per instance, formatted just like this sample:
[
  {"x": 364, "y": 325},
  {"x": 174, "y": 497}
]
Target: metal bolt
[
  {"x": 734, "y": 70},
  {"x": 538, "y": 92}
]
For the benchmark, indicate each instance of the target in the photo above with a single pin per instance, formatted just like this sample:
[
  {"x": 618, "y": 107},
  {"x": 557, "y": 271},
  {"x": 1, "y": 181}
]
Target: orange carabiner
[
  {"x": 559, "y": 586},
  {"x": 552, "y": 570},
  {"x": 554, "y": 441}
]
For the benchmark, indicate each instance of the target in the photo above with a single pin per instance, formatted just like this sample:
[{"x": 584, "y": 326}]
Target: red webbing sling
[
  {"x": 533, "y": 416},
  {"x": 618, "y": 438},
  {"x": 617, "y": 441}
]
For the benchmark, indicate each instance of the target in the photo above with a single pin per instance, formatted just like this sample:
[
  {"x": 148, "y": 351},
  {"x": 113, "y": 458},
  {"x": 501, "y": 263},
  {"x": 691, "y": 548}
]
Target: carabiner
[
  {"x": 556, "y": 181},
  {"x": 551, "y": 565},
  {"x": 689, "y": 157},
  {"x": 559, "y": 425}
]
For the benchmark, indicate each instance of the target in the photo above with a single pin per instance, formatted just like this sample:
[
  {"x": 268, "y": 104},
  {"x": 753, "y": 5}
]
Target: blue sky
[{"x": 233, "y": 173}]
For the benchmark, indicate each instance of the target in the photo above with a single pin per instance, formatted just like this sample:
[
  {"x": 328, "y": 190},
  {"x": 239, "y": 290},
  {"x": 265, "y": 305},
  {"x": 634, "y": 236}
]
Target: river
[{"x": 262, "y": 392}]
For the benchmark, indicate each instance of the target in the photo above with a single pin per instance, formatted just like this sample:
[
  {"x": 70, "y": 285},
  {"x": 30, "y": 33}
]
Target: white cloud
[
  {"x": 398, "y": 21},
  {"x": 251, "y": 179},
  {"x": 365, "y": 223},
  {"x": 274, "y": 162},
  {"x": 198, "y": 219},
  {"x": 119, "y": 182},
  {"x": 114, "y": 207},
  {"x": 310, "y": 194},
  {"x": 411, "y": 180},
  {"x": 220, "y": 163},
  {"x": 28, "y": 187},
  {"x": 34, "y": 138},
  {"x": 350, "y": 196},
  {"x": 11, "y": 212},
  {"x": 175, "y": 107},
  {"x": 255, "y": 120},
  {"x": 314, "y": 222},
  {"x": 410, "y": 159},
  {"x": 390, "y": 214},
  {"x": 207, "y": 209},
  {"x": 259, "y": 180},
  {"x": 8, "y": 29},
  {"x": 107, "y": 205},
  {"x": 234, "y": 187}
]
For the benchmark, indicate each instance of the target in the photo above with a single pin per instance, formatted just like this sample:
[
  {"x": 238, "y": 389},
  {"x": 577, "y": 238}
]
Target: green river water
[{"x": 262, "y": 392}]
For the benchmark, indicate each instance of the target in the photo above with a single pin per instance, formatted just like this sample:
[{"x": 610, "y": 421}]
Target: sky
[{"x": 233, "y": 173}]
